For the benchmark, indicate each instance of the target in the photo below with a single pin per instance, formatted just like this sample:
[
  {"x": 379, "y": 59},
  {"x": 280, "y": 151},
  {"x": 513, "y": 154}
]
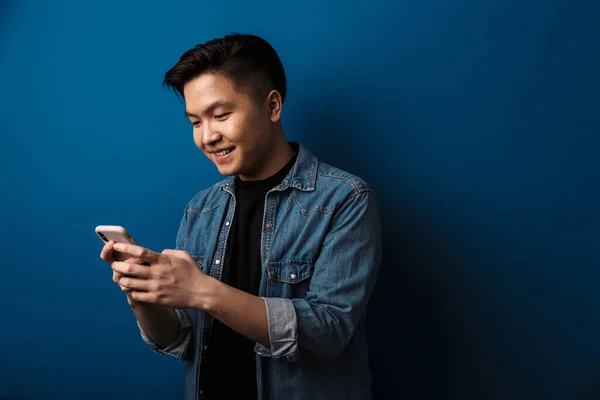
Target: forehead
[{"x": 207, "y": 88}]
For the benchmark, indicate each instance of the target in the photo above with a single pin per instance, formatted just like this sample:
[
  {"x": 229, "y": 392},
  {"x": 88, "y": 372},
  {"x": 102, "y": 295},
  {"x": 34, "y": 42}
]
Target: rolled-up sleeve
[
  {"x": 179, "y": 347},
  {"x": 283, "y": 330},
  {"x": 344, "y": 277}
]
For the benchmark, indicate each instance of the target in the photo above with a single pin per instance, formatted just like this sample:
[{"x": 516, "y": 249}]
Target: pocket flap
[{"x": 290, "y": 271}]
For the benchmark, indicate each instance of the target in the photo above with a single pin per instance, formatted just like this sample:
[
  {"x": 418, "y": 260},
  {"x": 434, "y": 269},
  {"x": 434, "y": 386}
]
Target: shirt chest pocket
[{"x": 289, "y": 279}]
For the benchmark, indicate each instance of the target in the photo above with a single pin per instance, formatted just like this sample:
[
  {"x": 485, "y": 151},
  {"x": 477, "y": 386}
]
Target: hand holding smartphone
[{"x": 116, "y": 233}]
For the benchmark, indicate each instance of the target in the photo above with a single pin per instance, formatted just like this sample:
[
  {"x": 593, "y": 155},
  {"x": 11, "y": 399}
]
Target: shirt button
[
  {"x": 269, "y": 226},
  {"x": 293, "y": 276},
  {"x": 201, "y": 391},
  {"x": 227, "y": 223},
  {"x": 205, "y": 347},
  {"x": 218, "y": 262}
]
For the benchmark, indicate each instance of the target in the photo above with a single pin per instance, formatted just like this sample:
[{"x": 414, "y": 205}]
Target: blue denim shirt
[{"x": 320, "y": 254}]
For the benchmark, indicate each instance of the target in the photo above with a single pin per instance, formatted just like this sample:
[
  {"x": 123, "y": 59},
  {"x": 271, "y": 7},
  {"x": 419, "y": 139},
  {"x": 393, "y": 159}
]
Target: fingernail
[{"x": 118, "y": 246}]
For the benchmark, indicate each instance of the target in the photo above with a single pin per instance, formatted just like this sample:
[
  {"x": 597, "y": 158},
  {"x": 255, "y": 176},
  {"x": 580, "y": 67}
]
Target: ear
[{"x": 274, "y": 105}]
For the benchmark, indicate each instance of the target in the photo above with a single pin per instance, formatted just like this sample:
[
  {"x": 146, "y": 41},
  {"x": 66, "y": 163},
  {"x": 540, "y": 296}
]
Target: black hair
[{"x": 248, "y": 60}]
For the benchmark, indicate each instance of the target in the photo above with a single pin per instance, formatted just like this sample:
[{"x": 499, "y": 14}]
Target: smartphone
[{"x": 116, "y": 233}]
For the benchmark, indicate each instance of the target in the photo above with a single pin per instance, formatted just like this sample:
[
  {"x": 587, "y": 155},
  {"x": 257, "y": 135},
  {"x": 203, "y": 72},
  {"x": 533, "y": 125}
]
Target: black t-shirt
[{"x": 229, "y": 369}]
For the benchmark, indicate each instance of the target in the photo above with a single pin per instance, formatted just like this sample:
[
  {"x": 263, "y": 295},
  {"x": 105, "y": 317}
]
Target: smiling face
[{"x": 239, "y": 134}]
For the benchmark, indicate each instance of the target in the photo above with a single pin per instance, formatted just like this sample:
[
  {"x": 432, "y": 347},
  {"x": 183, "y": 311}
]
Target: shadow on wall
[{"x": 408, "y": 325}]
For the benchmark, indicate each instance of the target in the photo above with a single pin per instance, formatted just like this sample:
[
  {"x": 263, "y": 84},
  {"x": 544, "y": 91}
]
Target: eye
[
  {"x": 221, "y": 116},
  {"x": 197, "y": 123}
]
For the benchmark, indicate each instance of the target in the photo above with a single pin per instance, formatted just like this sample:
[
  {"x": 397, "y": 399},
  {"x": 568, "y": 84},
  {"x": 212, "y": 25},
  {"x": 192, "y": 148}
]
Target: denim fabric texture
[{"x": 320, "y": 254}]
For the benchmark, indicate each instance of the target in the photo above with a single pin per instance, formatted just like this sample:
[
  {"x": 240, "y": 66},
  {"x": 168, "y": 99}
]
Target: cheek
[
  {"x": 234, "y": 130},
  {"x": 244, "y": 129}
]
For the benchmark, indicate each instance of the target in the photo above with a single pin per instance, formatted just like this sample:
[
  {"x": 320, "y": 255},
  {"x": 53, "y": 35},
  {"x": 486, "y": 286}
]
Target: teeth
[{"x": 223, "y": 152}]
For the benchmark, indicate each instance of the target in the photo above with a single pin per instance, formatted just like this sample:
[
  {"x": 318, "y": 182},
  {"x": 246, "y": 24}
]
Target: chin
[{"x": 228, "y": 170}]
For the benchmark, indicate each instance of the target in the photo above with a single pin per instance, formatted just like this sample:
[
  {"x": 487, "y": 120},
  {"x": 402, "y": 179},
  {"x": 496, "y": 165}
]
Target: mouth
[
  {"x": 224, "y": 152},
  {"x": 223, "y": 156}
]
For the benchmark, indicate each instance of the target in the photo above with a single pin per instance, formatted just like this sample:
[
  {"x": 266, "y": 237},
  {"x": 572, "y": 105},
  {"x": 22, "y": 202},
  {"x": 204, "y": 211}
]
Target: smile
[{"x": 224, "y": 152}]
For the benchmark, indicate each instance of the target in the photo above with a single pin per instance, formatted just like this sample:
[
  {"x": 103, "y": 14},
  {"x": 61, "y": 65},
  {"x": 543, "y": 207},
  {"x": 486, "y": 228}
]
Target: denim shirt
[{"x": 320, "y": 255}]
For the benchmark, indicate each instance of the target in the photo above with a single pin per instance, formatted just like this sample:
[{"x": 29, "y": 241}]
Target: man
[{"x": 265, "y": 294}]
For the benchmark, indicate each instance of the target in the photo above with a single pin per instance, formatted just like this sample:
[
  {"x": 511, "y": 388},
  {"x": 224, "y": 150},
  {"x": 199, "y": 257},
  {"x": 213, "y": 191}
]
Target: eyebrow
[{"x": 211, "y": 107}]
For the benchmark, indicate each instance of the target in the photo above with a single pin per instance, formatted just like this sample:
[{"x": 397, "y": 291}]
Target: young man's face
[{"x": 229, "y": 126}]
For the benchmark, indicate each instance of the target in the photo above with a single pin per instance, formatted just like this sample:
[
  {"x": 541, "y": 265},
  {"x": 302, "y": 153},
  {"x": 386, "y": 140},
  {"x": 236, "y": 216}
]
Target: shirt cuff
[
  {"x": 177, "y": 347},
  {"x": 283, "y": 330}
]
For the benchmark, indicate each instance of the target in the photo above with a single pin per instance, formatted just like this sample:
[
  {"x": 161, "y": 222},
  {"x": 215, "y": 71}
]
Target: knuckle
[
  {"x": 128, "y": 268},
  {"x": 153, "y": 298},
  {"x": 156, "y": 287}
]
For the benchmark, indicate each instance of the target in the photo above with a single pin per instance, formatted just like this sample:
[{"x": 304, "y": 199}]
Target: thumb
[{"x": 182, "y": 254}]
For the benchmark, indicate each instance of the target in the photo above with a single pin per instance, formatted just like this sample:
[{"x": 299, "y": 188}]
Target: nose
[{"x": 209, "y": 135}]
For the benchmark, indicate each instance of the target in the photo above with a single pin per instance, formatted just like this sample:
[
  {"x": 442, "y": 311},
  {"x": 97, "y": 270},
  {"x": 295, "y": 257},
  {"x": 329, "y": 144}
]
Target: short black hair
[{"x": 248, "y": 60}]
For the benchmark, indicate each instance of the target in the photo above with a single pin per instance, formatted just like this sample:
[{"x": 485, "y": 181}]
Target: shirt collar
[{"x": 302, "y": 176}]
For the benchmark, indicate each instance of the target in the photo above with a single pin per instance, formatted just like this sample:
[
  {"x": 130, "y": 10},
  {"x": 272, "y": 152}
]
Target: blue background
[{"x": 476, "y": 123}]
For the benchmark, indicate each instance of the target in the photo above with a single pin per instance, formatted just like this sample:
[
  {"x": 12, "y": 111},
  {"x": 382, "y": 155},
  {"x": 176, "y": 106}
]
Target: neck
[{"x": 277, "y": 157}]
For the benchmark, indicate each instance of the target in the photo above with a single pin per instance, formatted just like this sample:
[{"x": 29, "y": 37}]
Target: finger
[
  {"x": 107, "y": 250},
  {"x": 135, "y": 284},
  {"x": 133, "y": 250},
  {"x": 130, "y": 269},
  {"x": 116, "y": 277},
  {"x": 176, "y": 253},
  {"x": 137, "y": 260},
  {"x": 145, "y": 297},
  {"x": 126, "y": 290}
]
